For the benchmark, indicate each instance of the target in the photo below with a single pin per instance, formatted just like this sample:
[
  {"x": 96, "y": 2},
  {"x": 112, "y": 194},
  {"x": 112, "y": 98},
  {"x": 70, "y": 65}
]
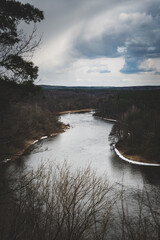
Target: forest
[{"x": 138, "y": 121}]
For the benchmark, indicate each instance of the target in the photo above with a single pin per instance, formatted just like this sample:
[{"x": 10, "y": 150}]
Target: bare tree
[
  {"x": 139, "y": 218},
  {"x": 61, "y": 204},
  {"x": 57, "y": 203}
]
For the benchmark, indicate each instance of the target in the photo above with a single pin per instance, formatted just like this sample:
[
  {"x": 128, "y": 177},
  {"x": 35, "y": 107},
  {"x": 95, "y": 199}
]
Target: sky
[{"x": 98, "y": 42}]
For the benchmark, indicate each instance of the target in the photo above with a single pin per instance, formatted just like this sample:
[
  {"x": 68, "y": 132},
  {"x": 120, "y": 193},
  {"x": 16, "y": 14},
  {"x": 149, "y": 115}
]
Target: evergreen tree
[{"x": 15, "y": 48}]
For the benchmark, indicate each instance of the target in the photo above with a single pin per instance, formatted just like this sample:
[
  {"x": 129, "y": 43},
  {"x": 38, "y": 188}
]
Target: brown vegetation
[{"x": 24, "y": 117}]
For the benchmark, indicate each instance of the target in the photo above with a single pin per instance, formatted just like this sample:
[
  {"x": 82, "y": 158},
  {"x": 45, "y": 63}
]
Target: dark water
[{"x": 86, "y": 142}]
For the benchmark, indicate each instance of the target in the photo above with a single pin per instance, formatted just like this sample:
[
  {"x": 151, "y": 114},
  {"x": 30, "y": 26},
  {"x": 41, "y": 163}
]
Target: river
[{"x": 86, "y": 143}]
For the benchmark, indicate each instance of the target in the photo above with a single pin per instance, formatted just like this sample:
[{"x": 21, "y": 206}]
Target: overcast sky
[{"x": 99, "y": 42}]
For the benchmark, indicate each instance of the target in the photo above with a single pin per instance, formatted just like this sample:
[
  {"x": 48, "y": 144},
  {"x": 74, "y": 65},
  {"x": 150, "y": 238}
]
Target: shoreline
[
  {"x": 106, "y": 119},
  {"x": 133, "y": 161},
  {"x": 29, "y": 143},
  {"x": 77, "y": 111}
]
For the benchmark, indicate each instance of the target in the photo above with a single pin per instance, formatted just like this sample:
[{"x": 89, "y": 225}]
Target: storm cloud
[
  {"x": 133, "y": 35},
  {"x": 91, "y": 35}
]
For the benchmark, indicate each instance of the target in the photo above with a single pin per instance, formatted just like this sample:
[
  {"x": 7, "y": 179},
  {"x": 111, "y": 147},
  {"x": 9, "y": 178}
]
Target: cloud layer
[{"x": 111, "y": 39}]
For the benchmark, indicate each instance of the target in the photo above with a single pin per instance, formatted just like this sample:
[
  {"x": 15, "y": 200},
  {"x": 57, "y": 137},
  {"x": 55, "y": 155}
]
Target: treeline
[
  {"x": 138, "y": 128},
  {"x": 72, "y": 99}
]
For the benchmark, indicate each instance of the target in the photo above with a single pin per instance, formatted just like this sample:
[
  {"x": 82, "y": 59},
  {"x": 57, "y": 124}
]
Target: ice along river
[{"x": 86, "y": 142}]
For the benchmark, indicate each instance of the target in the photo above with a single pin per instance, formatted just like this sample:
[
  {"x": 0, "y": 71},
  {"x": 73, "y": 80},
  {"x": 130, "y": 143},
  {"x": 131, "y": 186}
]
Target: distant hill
[{"x": 132, "y": 88}]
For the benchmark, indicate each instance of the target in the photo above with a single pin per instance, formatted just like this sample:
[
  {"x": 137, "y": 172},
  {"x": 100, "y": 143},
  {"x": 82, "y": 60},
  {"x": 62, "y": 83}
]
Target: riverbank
[
  {"x": 135, "y": 159},
  {"x": 77, "y": 111},
  {"x": 28, "y": 143},
  {"x": 130, "y": 158},
  {"x": 18, "y": 152},
  {"x": 106, "y": 119}
]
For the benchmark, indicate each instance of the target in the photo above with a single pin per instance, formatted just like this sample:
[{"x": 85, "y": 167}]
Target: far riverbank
[
  {"x": 135, "y": 159},
  {"x": 132, "y": 158},
  {"x": 77, "y": 111}
]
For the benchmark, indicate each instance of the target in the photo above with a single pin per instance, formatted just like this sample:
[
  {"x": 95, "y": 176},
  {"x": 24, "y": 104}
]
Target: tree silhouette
[{"x": 16, "y": 49}]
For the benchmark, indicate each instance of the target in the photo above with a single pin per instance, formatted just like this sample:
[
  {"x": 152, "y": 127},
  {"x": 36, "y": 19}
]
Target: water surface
[{"x": 86, "y": 142}]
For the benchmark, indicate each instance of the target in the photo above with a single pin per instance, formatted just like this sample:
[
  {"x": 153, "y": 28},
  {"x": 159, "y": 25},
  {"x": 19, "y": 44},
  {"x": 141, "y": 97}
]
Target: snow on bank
[
  {"x": 110, "y": 120},
  {"x": 6, "y": 160},
  {"x": 77, "y": 111},
  {"x": 106, "y": 119},
  {"x": 35, "y": 141},
  {"x": 43, "y": 137},
  {"x": 135, "y": 162}
]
